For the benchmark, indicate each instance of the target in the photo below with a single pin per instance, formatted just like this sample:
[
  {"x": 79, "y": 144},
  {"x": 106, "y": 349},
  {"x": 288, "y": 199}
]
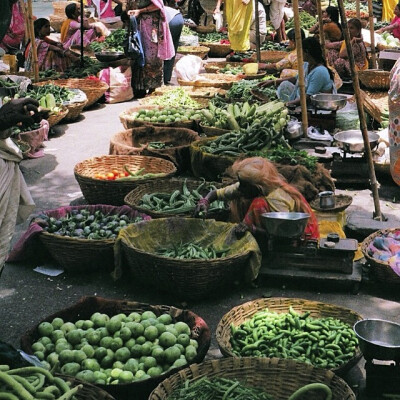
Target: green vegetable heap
[
  {"x": 113, "y": 349},
  {"x": 273, "y": 46},
  {"x": 218, "y": 388},
  {"x": 186, "y": 31},
  {"x": 212, "y": 37},
  {"x": 306, "y": 21},
  {"x": 113, "y": 42},
  {"x": 61, "y": 94},
  {"x": 230, "y": 70},
  {"x": 177, "y": 97},
  {"x": 166, "y": 115},
  {"x": 192, "y": 251},
  {"x": 29, "y": 383},
  {"x": 242, "y": 89},
  {"x": 8, "y": 83},
  {"x": 16, "y": 130},
  {"x": 322, "y": 342},
  {"x": 83, "y": 224},
  {"x": 90, "y": 67},
  {"x": 180, "y": 201}
]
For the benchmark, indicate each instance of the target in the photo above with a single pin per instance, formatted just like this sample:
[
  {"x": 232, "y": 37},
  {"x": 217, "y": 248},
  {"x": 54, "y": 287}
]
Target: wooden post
[
  {"x": 300, "y": 67},
  {"x": 257, "y": 31},
  {"x": 31, "y": 33},
  {"x": 321, "y": 26},
  {"x": 82, "y": 31},
  {"x": 360, "y": 108},
  {"x": 371, "y": 29},
  {"x": 358, "y": 13}
]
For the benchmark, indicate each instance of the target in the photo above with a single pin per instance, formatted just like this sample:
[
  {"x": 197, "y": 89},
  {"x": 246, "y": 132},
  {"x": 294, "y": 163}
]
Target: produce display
[
  {"x": 306, "y": 21},
  {"x": 126, "y": 174},
  {"x": 273, "y": 46},
  {"x": 115, "y": 349},
  {"x": 16, "y": 130},
  {"x": 384, "y": 118},
  {"x": 60, "y": 94},
  {"x": 240, "y": 56},
  {"x": 192, "y": 251},
  {"x": 214, "y": 37},
  {"x": 181, "y": 200},
  {"x": 322, "y": 342},
  {"x": 113, "y": 42},
  {"x": 186, "y": 31},
  {"x": 230, "y": 70},
  {"x": 166, "y": 115},
  {"x": 8, "y": 83},
  {"x": 176, "y": 97},
  {"x": 242, "y": 89},
  {"x": 217, "y": 388},
  {"x": 28, "y": 383},
  {"x": 264, "y": 132},
  {"x": 389, "y": 40},
  {"x": 159, "y": 145},
  {"x": 86, "y": 225}
]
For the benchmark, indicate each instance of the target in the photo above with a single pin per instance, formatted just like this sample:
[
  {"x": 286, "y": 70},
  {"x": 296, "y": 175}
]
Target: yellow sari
[{"x": 238, "y": 17}]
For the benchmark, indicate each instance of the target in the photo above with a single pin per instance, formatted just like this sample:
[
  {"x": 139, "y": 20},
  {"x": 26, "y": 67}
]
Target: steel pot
[
  {"x": 285, "y": 224},
  {"x": 352, "y": 141},
  {"x": 330, "y": 102},
  {"x": 326, "y": 199},
  {"x": 378, "y": 339}
]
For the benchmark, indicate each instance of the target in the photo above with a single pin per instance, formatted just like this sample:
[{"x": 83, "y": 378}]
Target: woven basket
[
  {"x": 133, "y": 198},
  {"x": 217, "y": 50},
  {"x": 212, "y": 80},
  {"x": 202, "y": 102},
  {"x": 55, "y": 119},
  {"x": 88, "y": 391},
  {"x": 56, "y": 21},
  {"x": 375, "y": 79},
  {"x": 98, "y": 191},
  {"x": 214, "y": 67},
  {"x": 244, "y": 312},
  {"x": 74, "y": 111},
  {"x": 270, "y": 56},
  {"x": 134, "y": 141},
  {"x": 199, "y": 51},
  {"x": 187, "y": 278},
  {"x": 279, "y": 378},
  {"x": 205, "y": 28},
  {"x": 89, "y": 305},
  {"x": 82, "y": 255},
  {"x": 23, "y": 146},
  {"x": 212, "y": 130},
  {"x": 380, "y": 270},
  {"x": 194, "y": 92}
]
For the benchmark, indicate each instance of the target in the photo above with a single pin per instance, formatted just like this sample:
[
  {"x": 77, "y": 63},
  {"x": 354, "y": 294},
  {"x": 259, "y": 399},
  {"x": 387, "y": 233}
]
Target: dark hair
[
  {"x": 312, "y": 46},
  {"x": 70, "y": 10},
  {"x": 333, "y": 13},
  {"x": 291, "y": 34},
  {"x": 357, "y": 23},
  {"x": 39, "y": 24},
  {"x": 125, "y": 17}
]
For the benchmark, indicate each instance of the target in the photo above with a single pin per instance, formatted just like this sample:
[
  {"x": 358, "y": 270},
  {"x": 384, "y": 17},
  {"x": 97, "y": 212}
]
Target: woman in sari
[
  {"x": 260, "y": 189},
  {"x": 156, "y": 41},
  {"x": 14, "y": 36},
  {"x": 50, "y": 54},
  {"x": 71, "y": 28}
]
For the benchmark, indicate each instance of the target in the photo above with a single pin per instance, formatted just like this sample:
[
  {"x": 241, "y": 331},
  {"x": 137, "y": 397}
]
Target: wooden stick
[
  {"x": 371, "y": 29},
  {"x": 31, "y": 32},
  {"x": 300, "y": 67},
  {"x": 360, "y": 108},
  {"x": 358, "y": 13},
  {"x": 257, "y": 31},
  {"x": 321, "y": 27},
  {"x": 82, "y": 32}
]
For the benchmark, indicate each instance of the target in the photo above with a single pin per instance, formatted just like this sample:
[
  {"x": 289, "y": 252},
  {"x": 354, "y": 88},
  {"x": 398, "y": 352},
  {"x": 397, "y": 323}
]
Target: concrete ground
[{"x": 27, "y": 296}]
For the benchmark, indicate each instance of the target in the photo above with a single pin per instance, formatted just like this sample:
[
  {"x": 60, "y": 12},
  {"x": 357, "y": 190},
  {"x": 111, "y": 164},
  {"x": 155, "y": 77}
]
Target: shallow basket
[
  {"x": 133, "y": 198},
  {"x": 83, "y": 255},
  {"x": 380, "y": 270},
  {"x": 205, "y": 28},
  {"x": 97, "y": 191},
  {"x": 55, "y": 119},
  {"x": 217, "y": 50},
  {"x": 212, "y": 80},
  {"x": 278, "y": 377},
  {"x": 74, "y": 111},
  {"x": 88, "y": 391},
  {"x": 200, "y": 51},
  {"x": 244, "y": 312},
  {"x": 86, "y": 306},
  {"x": 270, "y": 56},
  {"x": 375, "y": 79},
  {"x": 187, "y": 278}
]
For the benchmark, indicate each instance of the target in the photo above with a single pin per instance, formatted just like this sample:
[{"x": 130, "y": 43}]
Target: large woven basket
[
  {"x": 98, "y": 191},
  {"x": 55, "y": 119},
  {"x": 83, "y": 255},
  {"x": 212, "y": 80},
  {"x": 74, "y": 111},
  {"x": 86, "y": 306},
  {"x": 133, "y": 198},
  {"x": 380, "y": 270},
  {"x": 185, "y": 278},
  {"x": 135, "y": 141},
  {"x": 278, "y": 377},
  {"x": 244, "y": 312},
  {"x": 199, "y": 51},
  {"x": 375, "y": 79},
  {"x": 88, "y": 391},
  {"x": 212, "y": 130},
  {"x": 205, "y": 28},
  {"x": 270, "y": 56},
  {"x": 217, "y": 50}
]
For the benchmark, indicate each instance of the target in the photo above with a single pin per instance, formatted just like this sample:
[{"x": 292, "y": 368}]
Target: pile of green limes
[{"x": 167, "y": 115}]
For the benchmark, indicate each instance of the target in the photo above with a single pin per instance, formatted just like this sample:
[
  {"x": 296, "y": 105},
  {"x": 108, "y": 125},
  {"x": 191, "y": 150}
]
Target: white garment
[
  {"x": 170, "y": 13},
  {"x": 276, "y": 12},
  {"x": 100, "y": 11},
  {"x": 262, "y": 18}
]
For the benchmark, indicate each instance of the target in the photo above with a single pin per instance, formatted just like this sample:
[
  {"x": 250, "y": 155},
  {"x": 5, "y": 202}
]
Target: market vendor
[
  {"x": 71, "y": 28},
  {"x": 50, "y": 54},
  {"x": 104, "y": 8},
  {"x": 394, "y": 27},
  {"x": 288, "y": 65},
  {"x": 331, "y": 26},
  {"x": 318, "y": 77},
  {"x": 260, "y": 189},
  {"x": 12, "y": 39}
]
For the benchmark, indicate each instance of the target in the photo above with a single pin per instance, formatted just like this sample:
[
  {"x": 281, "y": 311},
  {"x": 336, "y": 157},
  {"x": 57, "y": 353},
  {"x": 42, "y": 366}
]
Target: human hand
[
  {"x": 202, "y": 208},
  {"x": 240, "y": 230},
  {"x": 17, "y": 111},
  {"x": 268, "y": 82},
  {"x": 134, "y": 13},
  {"x": 379, "y": 31}
]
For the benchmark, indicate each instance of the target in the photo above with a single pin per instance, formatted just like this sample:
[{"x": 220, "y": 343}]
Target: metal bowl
[
  {"x": 285, "y": 224},
  {"x": 330, "y": 102},
  {"x": 109, "y": 56},
  {"x": 378, "y": 339},
  {"x": 352, "y": 141}
]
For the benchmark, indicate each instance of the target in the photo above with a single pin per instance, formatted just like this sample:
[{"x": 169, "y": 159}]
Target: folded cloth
[{"x": 387, "y": 248}]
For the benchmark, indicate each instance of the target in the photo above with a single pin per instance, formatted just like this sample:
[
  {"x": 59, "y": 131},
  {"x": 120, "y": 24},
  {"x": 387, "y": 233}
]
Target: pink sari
[{"x": 16, "y": 31}]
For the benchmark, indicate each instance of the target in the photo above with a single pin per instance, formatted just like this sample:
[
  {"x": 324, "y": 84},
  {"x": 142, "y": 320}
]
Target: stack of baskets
[
  {"x": 200, "y": 51},
  {"x": 113, "y": 192},
  {"x": 375, "y": 79}
]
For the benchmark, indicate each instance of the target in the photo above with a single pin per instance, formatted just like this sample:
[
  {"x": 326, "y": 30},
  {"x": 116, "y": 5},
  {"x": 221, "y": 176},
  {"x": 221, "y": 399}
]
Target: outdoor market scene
[{"x": 199, "y": 199}]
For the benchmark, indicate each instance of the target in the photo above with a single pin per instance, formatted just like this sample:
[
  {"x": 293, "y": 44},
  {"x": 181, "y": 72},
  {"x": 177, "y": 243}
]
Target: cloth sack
[
  {"x": 133, "y": 47},
  {"x": 119, "y": 84}
]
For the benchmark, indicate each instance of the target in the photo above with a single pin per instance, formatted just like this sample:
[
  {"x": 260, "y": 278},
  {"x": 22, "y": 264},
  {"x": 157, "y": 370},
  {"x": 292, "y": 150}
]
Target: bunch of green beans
[
  {"x": 159, "y": 145},
  {"x": 192, "y": 251},
  {"x": 322, "y": 342},
  {"x": 29, "y": 383},
  {"x": 218, "y": 389}
]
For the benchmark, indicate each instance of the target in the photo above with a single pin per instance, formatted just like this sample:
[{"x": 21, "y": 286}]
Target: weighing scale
[{"x": 289, "y": 253}]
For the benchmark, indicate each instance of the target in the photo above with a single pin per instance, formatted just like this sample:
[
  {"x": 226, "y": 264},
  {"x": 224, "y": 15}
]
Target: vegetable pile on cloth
[{"x": 387, "y": 248}]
